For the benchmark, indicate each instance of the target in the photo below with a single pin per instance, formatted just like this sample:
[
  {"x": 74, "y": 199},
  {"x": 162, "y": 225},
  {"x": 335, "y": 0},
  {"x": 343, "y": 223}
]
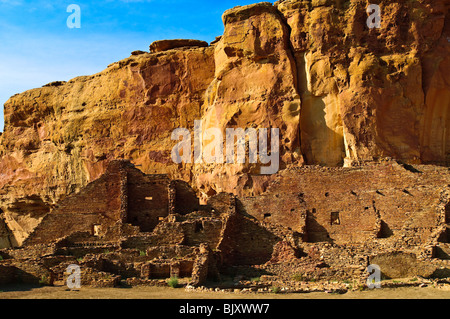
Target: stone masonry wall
[
  {"x": 122, "y": 195},
  {"x": 99, "y": 203},
  {"x": 354, "y": 204},
  {"x": 148, "y": 199}
]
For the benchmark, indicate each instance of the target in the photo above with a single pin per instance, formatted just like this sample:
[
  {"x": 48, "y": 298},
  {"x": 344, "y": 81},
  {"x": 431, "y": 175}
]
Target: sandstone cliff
[{"x": 340, "y": 93}]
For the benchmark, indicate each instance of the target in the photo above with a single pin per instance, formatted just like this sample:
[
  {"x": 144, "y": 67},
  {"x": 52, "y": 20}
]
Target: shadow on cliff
[
  {"x": 315, "y": 232},
  {"x": 245, "y": 241}
]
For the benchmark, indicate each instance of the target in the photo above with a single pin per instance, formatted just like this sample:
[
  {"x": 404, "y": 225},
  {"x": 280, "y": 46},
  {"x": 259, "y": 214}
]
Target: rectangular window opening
[{"x": 335, "y": 218}]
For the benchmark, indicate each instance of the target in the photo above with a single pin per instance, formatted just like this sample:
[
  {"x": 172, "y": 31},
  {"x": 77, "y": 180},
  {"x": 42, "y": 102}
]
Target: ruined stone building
[
  {"x": 364, "y": 155},
  {"x": 123, "y": 195},
  {"x": 141, "y": 228}
]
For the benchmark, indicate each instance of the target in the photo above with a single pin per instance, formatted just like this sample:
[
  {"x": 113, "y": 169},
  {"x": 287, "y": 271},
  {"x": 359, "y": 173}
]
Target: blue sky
[{"x": 37, "y": 47}]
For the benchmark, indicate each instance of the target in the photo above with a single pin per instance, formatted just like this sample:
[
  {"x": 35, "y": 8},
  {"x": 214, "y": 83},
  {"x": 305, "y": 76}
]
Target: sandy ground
[{"x": 442, "y": 292}]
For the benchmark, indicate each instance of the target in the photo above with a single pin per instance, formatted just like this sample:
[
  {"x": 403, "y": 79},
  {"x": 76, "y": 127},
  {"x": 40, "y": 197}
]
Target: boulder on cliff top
[
  {"x": 240, "y": 13},
  {"x": 138, "y": 52},
  {"x": 164, "y": 45}
]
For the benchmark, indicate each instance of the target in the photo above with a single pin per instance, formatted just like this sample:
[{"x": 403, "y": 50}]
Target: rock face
[
  {"x": 341, "y": 94},
  {"x": 59, "y": 138},
  {"x": 368, "y": 93}
]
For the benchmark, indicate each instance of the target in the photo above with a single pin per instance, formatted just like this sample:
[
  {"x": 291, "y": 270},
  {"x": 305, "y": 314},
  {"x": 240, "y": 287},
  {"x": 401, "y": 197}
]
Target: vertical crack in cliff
[
  {"x": 321, "y": 129},
  {"x": 296, "y": 74}
]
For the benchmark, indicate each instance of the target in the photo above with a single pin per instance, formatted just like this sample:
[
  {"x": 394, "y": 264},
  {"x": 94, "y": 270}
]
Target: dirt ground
[{"x": 22, "y": 292}]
